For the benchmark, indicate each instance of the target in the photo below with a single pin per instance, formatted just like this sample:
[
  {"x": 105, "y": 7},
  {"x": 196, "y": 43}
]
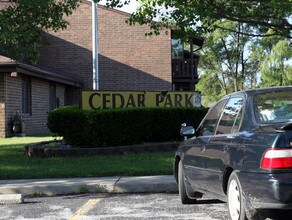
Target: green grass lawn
[{"x": 14, "y": 164}]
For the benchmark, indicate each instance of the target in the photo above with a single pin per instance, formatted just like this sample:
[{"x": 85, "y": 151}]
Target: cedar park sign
[{"x": 126, "y": 99}]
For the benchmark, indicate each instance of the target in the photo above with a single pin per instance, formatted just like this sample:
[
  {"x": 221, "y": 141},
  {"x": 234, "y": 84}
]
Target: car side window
[
  {"x": 237, "y": 122},
  {"x": 210, "y": 123},
  {"x": 231, "y": 117}
]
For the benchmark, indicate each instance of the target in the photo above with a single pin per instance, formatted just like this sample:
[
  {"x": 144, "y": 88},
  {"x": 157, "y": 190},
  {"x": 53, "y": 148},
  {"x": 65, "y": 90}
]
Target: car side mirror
[{"x": 187, "y": 131}]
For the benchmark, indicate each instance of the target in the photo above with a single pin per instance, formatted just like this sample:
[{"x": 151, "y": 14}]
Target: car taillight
[{"x": 275, "y": 158}]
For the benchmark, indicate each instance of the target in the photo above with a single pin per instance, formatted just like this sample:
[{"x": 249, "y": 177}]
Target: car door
[
  {"x": 218, "y": 149},
  {"x": 194, "y": 157}
]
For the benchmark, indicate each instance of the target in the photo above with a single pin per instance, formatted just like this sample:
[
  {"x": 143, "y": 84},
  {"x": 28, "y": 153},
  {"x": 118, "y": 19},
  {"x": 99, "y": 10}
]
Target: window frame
[
  {"x": 255, "y": 106},
  {"x": 52, "y": 96},
  {"x": 26, "y": 95},
  {"x": 209, "y": 112},
  {"x": 241, "y": 111}
]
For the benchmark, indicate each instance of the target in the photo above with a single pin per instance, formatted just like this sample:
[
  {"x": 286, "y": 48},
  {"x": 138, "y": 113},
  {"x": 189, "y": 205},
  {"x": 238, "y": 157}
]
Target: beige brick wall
[
  {"x": 35, "y": 123},
  {"x": 2, "y": 106},
  {"x": 13, "y": 97}
]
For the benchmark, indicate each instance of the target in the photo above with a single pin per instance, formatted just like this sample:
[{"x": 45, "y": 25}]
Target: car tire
[
  {"x": 235, "y": 200},
  {"x": 182, "y": 187}
]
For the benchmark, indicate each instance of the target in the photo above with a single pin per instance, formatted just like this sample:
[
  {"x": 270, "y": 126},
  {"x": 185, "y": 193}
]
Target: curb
[
  {"x": 51, "y": 187},
  {"x": 11, "y": 199}
]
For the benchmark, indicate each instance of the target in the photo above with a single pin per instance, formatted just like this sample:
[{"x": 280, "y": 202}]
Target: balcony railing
[
  {"x": 182, "y": 69},
  {"x": 184, "y": 77}
]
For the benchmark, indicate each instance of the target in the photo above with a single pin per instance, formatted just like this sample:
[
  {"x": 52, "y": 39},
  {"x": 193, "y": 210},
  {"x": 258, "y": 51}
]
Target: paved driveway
[{"x": 115, "y": 206}]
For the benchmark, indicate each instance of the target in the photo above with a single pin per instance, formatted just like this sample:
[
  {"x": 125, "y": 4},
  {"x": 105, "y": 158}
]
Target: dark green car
[{"x": 241, "y": 153}]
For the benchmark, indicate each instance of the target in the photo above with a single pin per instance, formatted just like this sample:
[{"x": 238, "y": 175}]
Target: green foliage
[
  {"x": 23, "y": 23},
  {"x": 198, "y": 16},
  {"x": 116, "y": 127},
  {"x": 210, "y": 88},
  {"x": 275, "y": 69},
  {"x": 240, "y": 39},
  {"x": 232, "y": 61},
  {"x": 224, "y": 62}
]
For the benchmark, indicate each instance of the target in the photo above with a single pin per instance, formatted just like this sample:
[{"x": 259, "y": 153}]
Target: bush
[{"x": 114, "y": 127}]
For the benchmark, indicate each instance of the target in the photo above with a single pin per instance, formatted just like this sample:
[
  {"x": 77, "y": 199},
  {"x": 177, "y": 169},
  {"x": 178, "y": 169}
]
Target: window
[
  {"x": 209, "y": 125},
  {"x": 177, "y": 49},
  {"x": 237, "y": 122},
  {"x": 52, "y": 96},
  {"x": 26, "y": 95},
  {"x": 273, "y": 107},
  {"x": 230, "y": 119}
]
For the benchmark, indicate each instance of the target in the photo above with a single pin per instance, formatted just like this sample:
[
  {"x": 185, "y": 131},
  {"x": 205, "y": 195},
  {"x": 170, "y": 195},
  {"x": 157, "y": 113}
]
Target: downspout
[{"x": 95, "y": 46}]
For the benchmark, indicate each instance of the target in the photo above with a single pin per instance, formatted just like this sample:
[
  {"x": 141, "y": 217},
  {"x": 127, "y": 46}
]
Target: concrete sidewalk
[{"x": 49, "y": 187}]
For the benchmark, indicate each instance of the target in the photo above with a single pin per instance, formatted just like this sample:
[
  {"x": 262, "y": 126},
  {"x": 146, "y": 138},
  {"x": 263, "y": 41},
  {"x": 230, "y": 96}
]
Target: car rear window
[{"x": 273, "y": 107}]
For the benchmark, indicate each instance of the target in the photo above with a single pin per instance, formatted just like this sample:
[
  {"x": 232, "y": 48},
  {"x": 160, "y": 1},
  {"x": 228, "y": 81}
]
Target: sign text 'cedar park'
[{"x": 127, "y": 99}]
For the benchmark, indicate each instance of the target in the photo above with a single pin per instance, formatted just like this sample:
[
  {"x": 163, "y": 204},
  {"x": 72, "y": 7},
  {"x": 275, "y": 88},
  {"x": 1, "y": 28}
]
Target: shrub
[{"x": 114, "y": 127}]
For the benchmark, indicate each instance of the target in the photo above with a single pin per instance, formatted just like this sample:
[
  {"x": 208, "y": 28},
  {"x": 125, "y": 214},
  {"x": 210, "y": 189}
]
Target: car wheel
[
  {"x": 236, "y": 205},
  {"x": 182, "y": 187}
]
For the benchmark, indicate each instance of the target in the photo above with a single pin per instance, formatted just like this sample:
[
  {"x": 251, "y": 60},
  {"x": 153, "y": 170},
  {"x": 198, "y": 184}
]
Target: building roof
[{"x": 10, "y": 66}]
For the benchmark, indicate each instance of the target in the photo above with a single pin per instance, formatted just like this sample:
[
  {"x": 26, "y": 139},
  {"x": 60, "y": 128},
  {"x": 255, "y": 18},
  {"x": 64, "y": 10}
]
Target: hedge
[{"x": 117, "y": 127}]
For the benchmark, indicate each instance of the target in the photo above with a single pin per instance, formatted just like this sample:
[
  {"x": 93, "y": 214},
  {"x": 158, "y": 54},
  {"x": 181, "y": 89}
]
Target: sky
[{"x": 127, "y": 8}]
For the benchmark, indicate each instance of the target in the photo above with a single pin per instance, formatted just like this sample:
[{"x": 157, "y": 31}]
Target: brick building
[{"x": 128, "y": 60}]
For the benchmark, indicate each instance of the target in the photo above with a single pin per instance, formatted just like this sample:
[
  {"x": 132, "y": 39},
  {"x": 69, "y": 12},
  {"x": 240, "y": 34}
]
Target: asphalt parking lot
[
  {"x": 114, "y": 206},
  {"x": 148, "y": 197}
]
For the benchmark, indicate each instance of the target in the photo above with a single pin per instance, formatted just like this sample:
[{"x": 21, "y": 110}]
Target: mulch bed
[{"x": 58, "y": 149}]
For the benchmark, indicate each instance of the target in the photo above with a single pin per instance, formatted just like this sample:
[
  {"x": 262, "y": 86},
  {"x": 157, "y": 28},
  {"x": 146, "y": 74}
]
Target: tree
[
  {"x": 198, "y": 16},
  {"x": 211, "y": 88},
  {"x": 225, "y": 56},
  {"x": 235, "y": 62},
  {"x": 252, "y": 67},
  {"x": 23, "y": 23},
  {"x": 275, "y": 69}
]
